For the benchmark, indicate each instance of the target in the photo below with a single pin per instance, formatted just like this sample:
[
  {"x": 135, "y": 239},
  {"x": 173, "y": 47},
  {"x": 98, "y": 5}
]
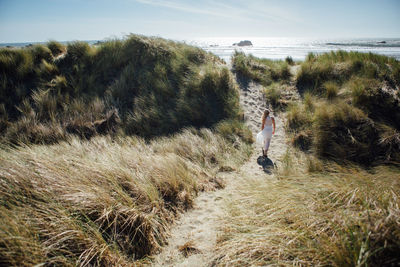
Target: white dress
[{"x": 264, "y": 137}]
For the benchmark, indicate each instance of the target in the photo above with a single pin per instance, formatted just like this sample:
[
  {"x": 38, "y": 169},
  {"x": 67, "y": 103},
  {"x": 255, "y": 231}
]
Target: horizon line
[{"x": 194, "y": 38}]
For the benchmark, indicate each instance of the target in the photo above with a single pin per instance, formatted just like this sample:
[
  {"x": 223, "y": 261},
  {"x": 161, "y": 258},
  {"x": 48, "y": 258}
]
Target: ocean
[
  {"x": 297, "y": 48},
  {"x": 280, "y": 48}
]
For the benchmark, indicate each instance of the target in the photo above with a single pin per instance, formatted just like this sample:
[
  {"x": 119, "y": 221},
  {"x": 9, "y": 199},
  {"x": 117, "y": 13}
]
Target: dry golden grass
[
  {"x": 103, "y": 202},
  {"x": 314, "y": 214}
]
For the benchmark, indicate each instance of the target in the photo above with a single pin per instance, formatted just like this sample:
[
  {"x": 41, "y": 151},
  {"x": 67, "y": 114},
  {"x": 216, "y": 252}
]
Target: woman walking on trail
[{"x": 267, "y": 130}]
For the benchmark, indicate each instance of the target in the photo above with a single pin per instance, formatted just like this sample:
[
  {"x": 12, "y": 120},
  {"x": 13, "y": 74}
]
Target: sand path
[{"x": 198, "y": 229}]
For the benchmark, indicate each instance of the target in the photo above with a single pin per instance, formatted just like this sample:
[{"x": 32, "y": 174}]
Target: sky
[{"x": 67, "y": 20}]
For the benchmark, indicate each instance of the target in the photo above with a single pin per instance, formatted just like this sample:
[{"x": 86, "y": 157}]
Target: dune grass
[
  {"x": 156, "y": 87},
  {"x": 341, "y": 66},
  {"x": 334, "y": 202},
  {"x": 342, "y": 132},
  {"x": 350, "y": 109},
  {"x": 274, "y": 75},
  {"x": 102, "y": 146},
  {"x": 263, "y": 71},
  {"x": 313, "y": 213},
  {"x": 105, "y": 201}
]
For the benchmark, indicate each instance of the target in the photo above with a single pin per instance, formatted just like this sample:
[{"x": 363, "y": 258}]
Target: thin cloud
[
  {"x": 240, "y": 11},
  {"x": 184, "y": 7},
  {"x": 261, "y": 9}
]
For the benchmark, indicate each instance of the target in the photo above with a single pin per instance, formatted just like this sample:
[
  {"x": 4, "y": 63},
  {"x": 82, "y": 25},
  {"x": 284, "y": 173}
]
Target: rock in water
[{"x": 243, "y": 43}]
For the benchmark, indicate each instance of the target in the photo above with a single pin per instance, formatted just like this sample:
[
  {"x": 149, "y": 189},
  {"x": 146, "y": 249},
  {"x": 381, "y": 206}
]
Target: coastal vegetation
[
  {"x": 105, "y": 201},
  {"x": 351, "y": 107},
  {"x": 335, "y": 198},
  {"x": 314, "y": 213},
  {"x": 142, "y": 86},
  {"x": 274, "y": 75},
  {"x": 103, "y": 146},
  {"x": 264, "y": 71}
]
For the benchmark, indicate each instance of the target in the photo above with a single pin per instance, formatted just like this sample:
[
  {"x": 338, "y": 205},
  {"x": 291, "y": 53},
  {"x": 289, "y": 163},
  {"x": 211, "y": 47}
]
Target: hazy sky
[{"x": 65, "y": 20}]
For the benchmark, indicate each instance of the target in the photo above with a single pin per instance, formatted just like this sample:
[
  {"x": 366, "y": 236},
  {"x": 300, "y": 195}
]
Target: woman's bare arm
[
  {"x": 273, "y": 123},
  {"x": 263, "y": 123}
]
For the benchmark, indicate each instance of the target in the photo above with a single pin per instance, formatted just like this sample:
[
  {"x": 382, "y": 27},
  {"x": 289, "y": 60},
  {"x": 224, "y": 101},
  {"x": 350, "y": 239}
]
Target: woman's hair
[{"x": 266, "y": 113}]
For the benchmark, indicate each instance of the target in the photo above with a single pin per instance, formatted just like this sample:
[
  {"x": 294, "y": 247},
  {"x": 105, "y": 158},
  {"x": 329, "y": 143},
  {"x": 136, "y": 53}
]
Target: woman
[{"x": 267, "y": 130}]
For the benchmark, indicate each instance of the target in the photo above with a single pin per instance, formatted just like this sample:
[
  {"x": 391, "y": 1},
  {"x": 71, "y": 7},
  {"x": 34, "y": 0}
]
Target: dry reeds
[
  {"x": 103, "y": 202},
  {"x": 336, "y": 216}
]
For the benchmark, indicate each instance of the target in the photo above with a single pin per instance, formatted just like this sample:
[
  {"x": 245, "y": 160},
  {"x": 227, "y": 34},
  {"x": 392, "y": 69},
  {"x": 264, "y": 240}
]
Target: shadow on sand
[
  {"x": 243, "y": 82},
  {"x": 266, "y": 163}
]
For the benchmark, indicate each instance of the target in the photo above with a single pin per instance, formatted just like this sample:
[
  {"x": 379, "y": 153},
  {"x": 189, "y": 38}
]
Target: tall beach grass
[
  {"x": 313, "y": 214},
  {"x": 106, "y": 201},
  {"x": 350, "y": 109},
  {"x": 264, "y": 71},
  {"x": 334, "y": 201},
  {"x": 156, "y": 87}
]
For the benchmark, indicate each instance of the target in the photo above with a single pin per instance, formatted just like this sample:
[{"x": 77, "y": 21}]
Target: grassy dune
[
  {"x": 264, "y": 71},
  {"x": 314, "y": 214},
  {"x": 140, "y": 85},
  {"x": 351, "y": 107},
  {"x": 274, "y": 75},
  {"x": 104, "y": 201},
  {"x": 335, "y": 201},
  {"x": 102, "y": 146}
]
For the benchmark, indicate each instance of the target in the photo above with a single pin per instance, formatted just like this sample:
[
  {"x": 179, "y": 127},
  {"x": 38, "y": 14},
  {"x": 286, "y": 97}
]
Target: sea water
[
  {"x": 280, "y": 48},
  {"x": 297, "y": 48}
]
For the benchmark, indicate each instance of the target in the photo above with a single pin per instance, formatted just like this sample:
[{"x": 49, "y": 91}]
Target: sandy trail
[{"x": 198, "y": 228}]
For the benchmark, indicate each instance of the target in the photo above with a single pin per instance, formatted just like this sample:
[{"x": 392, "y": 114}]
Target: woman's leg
[{"x": 266, "y": 146}]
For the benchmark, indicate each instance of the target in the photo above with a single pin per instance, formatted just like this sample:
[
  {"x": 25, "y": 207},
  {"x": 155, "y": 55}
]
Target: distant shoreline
[
  {"x": 275, "y": 48},
  {"x": 25, "y": 44}
]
